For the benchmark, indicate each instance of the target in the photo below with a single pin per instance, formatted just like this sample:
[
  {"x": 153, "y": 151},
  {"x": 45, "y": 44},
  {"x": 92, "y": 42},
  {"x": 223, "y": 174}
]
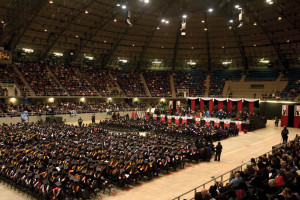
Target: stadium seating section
[
  {"x": 193, "y": 81},
  {"x": 61, "y": 80}
]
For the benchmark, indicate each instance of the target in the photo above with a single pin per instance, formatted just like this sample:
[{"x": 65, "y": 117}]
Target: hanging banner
[
  {"x": 184, "y": 120},
  {"x": 197, "y": 119},
  {"x": 297, "y": 116},
  {"x": 220, "y": 105},
  {"x": 240, "y": 106},
  {"x": 251, "y": 106},
  {"x": 207, "y": 122},
  {"x": 177, "y": 120},
  {"x": 193, "y": 105},
  {"x": 201, "y": 105},
  {"x": 132, "y": 115},
  {"x": 284, "y": 115},
  {"x": 146, "y": 116},
  {"x": 226, "y": 124},
  {"x": 169, "y": 118},
  {"x": 155, "y": 117},
  {"x": 229, "y": 106},
  {"x": 238, "y": 124},
  {"x": 162, "y": 118}
]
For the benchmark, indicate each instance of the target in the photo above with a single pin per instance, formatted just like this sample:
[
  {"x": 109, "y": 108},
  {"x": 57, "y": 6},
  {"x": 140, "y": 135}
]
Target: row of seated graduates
[
  {"x": 59, "y": 161},
  {"x": 272, "y": 177},
  {"x": 200, "y": 135}
]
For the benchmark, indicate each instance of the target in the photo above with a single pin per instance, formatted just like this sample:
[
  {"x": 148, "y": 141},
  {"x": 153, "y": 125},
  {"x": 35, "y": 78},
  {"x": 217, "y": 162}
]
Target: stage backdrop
[
  {"x": 297, "y": 116},
  {"x": 284, "y": 115}
]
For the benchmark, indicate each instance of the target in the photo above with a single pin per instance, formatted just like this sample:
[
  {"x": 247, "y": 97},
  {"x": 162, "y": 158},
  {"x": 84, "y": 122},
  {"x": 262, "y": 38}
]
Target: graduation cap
[
  {"x": 45, "y": 182},
  {"x": 37, "y": 176}
]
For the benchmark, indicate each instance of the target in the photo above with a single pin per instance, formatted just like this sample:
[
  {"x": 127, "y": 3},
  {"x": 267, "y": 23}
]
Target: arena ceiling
[{"x": 270, "y": 29}]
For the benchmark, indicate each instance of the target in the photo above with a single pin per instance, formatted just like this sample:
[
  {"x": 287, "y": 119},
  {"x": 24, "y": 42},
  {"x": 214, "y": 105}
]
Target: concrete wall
[{"x": 66, "y": 118}]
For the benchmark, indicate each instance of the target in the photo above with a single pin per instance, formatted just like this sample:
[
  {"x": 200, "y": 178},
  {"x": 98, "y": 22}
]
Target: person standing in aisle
[
  {"x": 218, "y": 152},
  {"x": 284, "y": 134}
]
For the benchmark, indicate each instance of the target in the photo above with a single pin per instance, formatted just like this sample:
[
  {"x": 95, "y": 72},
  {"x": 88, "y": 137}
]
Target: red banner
[
  {"x": 132, "y": 115},
  {"x": 217, "y": 123},
  {"x": 162, "y": 118},
  {"x": 220, "y": 105},
  {"x": 240, "y": 106},
  {"x": 155, "y": 117},
  {"x": 169, "y": 118},
  {"x": 193, "y": 105},
  {"x": 201, "y": 105},
  {"x": 197, "y": 119},
  {"x": 238, "y": 124},
  {"x": 229, "y": 106},
  {"x": 177, "y": 120},
  {"x": 297, "y": 116},
  {"x": 284, "y": 115},
  {"x": 210, "y": 106},
  {"x": 184, "y": 120},
  {"x": 146, "y": 115},
  {"x": 207, "y": 122},
  {"x": 251, "y": 106},
  {"x": 226, "y": 123}
]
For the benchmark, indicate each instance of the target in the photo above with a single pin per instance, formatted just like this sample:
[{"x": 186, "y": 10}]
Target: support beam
[
  {"x": 241, "y": 48},
  {"x": 119, "y": 40},
  {"x": 54, "y": 37},
  {"x": 262, "y": 27},
  {"x": 21, "y": 12},
  {"x": 176, "y": 46},
  {"x": 207, "y": 43}
]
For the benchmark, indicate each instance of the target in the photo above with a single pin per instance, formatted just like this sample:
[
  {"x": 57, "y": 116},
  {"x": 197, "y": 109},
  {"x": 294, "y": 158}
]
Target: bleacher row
[{"x": 60, "y": 80}]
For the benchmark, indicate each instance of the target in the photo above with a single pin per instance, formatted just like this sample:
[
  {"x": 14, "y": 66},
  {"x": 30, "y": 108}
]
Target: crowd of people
[
  {"x": 272, "y": 177},
  {"x": 40, "y": 80},
  {"x": 100, "y": 79},
  {"x": 54, "y": 161},
  {"x": 65, "y": 107},
  {"x": 158, "y": 83},
  {"x": 130, "y": 82},
  {"x": 8, "y": 75},
  {"x": 71, "y": 80}
]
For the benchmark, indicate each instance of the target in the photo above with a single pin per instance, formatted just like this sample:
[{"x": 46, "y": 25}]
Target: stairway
[
  {"x": 85, "y": 79},
  {"x": 279, "y": 77},
  {"x": 145, "y": 84},
  {"x": 119, "y": 88},
  {"x": 243, "y": 78},
  {"x": 206, "y": 94},
  {"x": 31, "y": 92},
  {"x": 226, "y": 89},
  {"x": 172, "y": 86},
  {"x": 56, "y": 80}
]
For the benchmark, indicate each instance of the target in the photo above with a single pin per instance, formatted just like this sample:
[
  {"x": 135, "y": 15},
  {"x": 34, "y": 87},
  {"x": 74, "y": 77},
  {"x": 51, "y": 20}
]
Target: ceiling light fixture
[
  {"x": 124, "y": 7},
  {"x": 210, "y": 10},
  {"x": 50, "y": 1},
  {"x": 184, "y": 16},
  {"x": 86, "y": 11},
  {"x": 231, "y": 21}
]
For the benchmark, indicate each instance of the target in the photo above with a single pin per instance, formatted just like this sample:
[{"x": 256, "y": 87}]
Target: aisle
[{"x": 236, "y": 150}]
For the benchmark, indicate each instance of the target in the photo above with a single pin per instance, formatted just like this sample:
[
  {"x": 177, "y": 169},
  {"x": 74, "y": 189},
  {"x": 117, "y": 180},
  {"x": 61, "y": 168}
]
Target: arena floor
[{"x": 236, "y": 150}]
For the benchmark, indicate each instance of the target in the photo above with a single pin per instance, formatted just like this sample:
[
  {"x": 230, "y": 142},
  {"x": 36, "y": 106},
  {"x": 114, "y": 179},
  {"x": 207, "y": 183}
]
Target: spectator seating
[
  {"x": 99, "y": 78},
  {"x": 262, "y": 75},
  {"x": 40, "y": 80},
  {"x": 130, "y": 82},
  {"x": 71, "y": 81},
  {"x": 7, "y": 74},
  {"x": 194, "y": 81},
  {"x": 293, "y": 87},
  {"x": 218, "y": 78},
  {"x": 158, "y": 83}
]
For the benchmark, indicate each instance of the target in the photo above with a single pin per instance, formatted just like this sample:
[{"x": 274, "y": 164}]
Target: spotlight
[
  {"x": 167, "y": 21},
  {"x": 203, "y": 21},
  {"x": 115, "y": 20},
  {"x": 158, "y": 28},
  {"x": 146, "y": 1},
  {"x": 163, "y": 20},
  {"x": 237, "y": 6},
  {"x": 118, "y": 4},
  {"x": 50, "y": 1},
  {"x": 231, "y": 21},
  {"x": 255, "y": 24},
  {"x": 124, "y": 7},
  {"x": 184, "y": 16},
  {"x": 86, "y": 11},
  {"x": 210, "y": 10}
]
